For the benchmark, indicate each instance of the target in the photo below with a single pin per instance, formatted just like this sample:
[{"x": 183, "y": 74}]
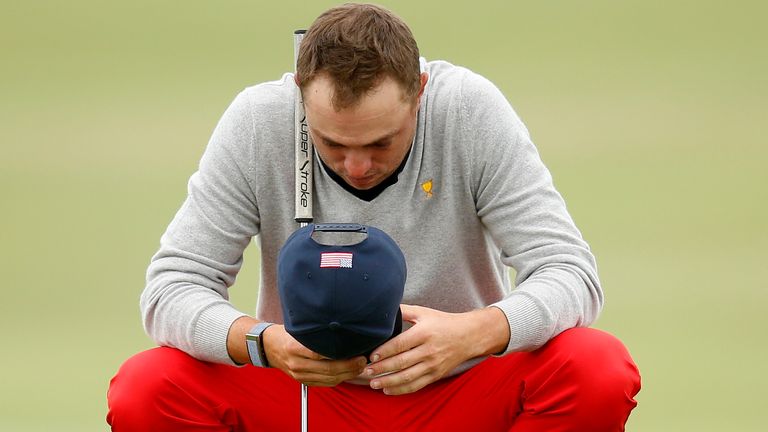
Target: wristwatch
[{"x": 256, "y": 344}]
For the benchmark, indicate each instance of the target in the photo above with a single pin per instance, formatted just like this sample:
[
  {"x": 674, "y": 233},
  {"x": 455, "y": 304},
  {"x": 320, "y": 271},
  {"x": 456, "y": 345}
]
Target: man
[{"x": 433, "y": 155}]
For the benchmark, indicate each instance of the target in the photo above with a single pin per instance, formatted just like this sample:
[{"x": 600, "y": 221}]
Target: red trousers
[{"x": 582, "y": 380}]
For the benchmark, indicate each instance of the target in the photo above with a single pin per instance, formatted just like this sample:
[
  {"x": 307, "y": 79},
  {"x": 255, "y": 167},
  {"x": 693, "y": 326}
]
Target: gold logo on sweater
[{"x": 427, "y": 188}]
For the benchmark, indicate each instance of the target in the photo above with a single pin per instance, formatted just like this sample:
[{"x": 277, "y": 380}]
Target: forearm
[
  {"x": 180, "y": 312},
  {"x": 556, "y": 298}
]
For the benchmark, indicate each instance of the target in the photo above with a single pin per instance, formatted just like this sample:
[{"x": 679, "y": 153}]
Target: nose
[{"x": 357, "y": 164}]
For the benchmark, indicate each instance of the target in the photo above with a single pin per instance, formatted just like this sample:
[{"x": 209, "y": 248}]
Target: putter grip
[{"x": 303, "y": 152}]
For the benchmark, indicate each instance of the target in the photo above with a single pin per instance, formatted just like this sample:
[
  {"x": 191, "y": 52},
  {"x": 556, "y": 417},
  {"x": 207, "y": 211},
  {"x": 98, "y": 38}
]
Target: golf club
[
  {"x": 303, "y": 154},
  {"x": 303, "y": 181}
]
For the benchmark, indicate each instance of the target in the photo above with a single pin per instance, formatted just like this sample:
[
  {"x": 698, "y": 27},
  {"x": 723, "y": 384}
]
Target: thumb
[{"x": 412, "y": 313}]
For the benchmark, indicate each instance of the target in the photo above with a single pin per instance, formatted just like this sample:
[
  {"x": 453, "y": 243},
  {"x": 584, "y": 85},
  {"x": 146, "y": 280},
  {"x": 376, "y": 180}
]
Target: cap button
[{"x": 333, "y": 325}]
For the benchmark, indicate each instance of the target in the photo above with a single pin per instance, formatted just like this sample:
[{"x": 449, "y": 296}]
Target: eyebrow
[{"x": 384, "y": 138}]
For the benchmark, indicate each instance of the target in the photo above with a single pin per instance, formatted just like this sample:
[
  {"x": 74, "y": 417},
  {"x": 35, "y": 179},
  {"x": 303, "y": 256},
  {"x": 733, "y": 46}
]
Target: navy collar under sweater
[{"x": 366, "y": 194}]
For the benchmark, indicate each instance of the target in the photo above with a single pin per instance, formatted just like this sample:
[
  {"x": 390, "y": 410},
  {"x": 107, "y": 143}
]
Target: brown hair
[{"x": 358, "y": 45}]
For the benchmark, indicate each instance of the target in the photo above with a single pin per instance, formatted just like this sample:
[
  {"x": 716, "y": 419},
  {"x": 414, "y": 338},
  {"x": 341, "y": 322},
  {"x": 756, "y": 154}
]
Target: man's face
[{"x": 363, "y": 144}]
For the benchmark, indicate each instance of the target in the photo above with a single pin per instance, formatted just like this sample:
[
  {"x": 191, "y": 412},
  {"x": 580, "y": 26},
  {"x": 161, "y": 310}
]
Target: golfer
[{"x": 432, "y": 154}]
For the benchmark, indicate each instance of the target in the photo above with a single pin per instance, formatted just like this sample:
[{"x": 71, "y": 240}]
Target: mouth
[{"x": 366, "y": 182}]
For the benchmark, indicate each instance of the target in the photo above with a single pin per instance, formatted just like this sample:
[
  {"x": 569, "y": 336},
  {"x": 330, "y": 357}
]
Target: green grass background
[{"x": 650, "y": 114}]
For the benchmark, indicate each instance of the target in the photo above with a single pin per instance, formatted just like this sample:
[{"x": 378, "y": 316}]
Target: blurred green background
[{"x": 650, "y": 114}]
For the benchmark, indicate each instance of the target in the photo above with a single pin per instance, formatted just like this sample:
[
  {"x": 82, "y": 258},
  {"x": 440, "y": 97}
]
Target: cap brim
[{"x": 342, "y": 343}]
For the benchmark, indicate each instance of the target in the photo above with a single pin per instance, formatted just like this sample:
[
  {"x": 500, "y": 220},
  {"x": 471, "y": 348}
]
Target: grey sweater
[{"x": 472, "y": 200}]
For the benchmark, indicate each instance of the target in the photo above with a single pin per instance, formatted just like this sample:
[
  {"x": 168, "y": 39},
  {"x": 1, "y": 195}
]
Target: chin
[{"x": 365, "y": 185}]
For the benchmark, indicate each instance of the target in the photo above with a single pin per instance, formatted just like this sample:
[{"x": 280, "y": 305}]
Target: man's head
[
  {"x": 358, "y": 70},
  {"x": 356, "y": 46}
]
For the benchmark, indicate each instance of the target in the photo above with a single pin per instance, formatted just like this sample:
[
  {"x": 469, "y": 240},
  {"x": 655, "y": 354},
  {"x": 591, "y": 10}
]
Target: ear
[
  {"x": 296, "y": 79},
  {"x": 423, "y": 78}
]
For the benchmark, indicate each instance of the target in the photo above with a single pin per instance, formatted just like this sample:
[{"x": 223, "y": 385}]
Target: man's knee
[
  {"x": 134, "y": 392},
  {"x": 597, "y": 357},
  {"x": 600, "y": 368}
]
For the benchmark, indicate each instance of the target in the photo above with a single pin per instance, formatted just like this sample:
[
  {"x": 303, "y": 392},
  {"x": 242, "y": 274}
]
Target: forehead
[{"x": 380, "y": 112}]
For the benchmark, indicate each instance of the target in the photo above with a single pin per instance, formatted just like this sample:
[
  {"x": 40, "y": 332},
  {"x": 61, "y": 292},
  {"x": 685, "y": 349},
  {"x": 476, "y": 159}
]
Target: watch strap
[{"x": 255, "y": 344}]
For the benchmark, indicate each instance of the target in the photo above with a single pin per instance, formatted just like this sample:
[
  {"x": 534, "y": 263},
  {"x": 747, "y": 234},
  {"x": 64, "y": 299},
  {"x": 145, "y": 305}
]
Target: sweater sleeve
[
  {"x": 185, "y": 301},
  {"x": 557, "y": 286}
]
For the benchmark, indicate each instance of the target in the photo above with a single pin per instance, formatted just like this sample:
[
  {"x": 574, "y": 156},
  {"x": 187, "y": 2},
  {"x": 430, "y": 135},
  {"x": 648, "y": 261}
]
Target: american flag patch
[{"x": 336, "y": 260}]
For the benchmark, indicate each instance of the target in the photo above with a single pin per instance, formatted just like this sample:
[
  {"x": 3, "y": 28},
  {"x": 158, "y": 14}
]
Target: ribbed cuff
[
  {"x": 211, "y": 330},
  {"x": 528, "y": 324}
]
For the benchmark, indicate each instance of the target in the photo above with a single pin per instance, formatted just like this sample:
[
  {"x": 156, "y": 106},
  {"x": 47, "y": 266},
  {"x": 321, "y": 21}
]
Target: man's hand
[
  {"x": 287, "y": 354},
  {"x": 435, "y": 345}
]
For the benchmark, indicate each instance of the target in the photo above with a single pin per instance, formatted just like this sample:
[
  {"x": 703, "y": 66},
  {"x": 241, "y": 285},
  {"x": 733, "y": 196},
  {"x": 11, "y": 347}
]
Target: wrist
[
  {"x": 254, "y": 340},
  {"x": 491, "y": 330},
  {"x": 236, "y": 346}
]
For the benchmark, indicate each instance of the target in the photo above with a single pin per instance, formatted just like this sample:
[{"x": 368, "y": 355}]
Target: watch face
[{"x": 254, "y": 344}]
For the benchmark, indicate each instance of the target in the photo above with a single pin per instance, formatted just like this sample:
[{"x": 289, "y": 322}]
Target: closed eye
[{"x": 380, "y": 144}]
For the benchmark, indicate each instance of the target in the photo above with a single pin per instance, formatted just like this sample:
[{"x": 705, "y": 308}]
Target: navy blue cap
[{"x": 341, "y": 301}]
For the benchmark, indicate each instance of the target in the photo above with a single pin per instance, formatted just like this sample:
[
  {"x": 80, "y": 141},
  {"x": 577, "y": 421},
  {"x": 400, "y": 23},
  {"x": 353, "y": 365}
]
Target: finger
[
  {"x": 403, "y": 342},
  {"x": 352, "y": 366},
  {"x": 406, "y": 381},
  {"x": 325, "y": 372},
  {"x": 410, "y": 387},
  {"x": 406, "y": 340},
  {"x": 331, "y": 367},
  {"x": 281, "y": 347},
  {"x": 410, "y": 313},
  {"x": 318, "y": 380},
  {"x": 296, "y": 349},
  {"x": 402, "y": 359}
]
